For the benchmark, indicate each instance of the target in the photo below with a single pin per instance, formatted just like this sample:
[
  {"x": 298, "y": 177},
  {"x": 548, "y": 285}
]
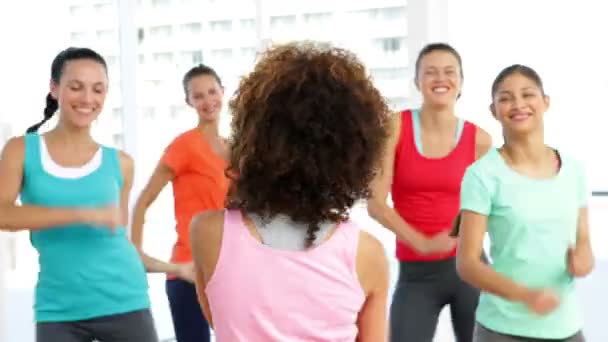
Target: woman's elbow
[
  {"x": 375, "y": 208},
  {"x": 143, "y": 202},
  {"x": 6, "y": 225},
  {"x": 466, "y": 266}
]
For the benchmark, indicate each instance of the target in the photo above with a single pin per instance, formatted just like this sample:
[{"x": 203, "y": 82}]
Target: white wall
[{"x": 565, "y": 42}]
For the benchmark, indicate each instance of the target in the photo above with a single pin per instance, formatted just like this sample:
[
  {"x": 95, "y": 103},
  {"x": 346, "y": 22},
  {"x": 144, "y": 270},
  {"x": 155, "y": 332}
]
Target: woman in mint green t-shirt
[{"x": 532, "y": 201}]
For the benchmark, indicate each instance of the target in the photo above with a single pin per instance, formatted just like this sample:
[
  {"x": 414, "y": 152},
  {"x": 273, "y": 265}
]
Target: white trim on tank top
[{"x": 49, "y": 165}]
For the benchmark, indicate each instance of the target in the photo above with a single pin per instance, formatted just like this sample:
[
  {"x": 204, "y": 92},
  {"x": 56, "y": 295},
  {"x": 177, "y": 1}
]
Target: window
[
  {"x": 192, "y": 28},
  {"x": 117, "y": 113},
  {"x": 389, "y": 73},
  {"x": 192, "y": 57},
  {"x": 161, "y": 32},
  {"x": 397, "y": 103},
  {"x": 78, "y": 10},
  {"x": 118, "y": 140},
  {"x": 283, "y": 22},
  {"x": 248, "y": 53},
  {"x": 221, "y": 26},
  {"x": 175, "y": 111},
  {"x": 163, "y": 57},
  {"x": 106, "y": 36},
  {"x": 160, "y": 3},
  {"x": 221, "y": 54},
  {"x": 141, "y": 34},
  {"x": 111, "y": 61},
  {"x": 317, "y": 18},
  {"x": 78, "y": 37},
  {"x": 156, "y": 84},
  {"x": 392, "y": 13},
  {"x": 363, "y": 15},
  {"x": 104, "y": 8},
  {"x": 390, "y": 45},
  {"x": 149, "y": 113},
  {"x": 247, "y": 24}
]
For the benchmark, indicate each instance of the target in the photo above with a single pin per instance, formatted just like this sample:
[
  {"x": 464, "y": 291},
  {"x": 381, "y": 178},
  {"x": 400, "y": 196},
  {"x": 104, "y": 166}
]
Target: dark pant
[
  {"x": 189, "y": 322},
  {"x": 423, "y": 290},
  {"x": 136, "y": 326},
  {"x": 486, "y": 335}
]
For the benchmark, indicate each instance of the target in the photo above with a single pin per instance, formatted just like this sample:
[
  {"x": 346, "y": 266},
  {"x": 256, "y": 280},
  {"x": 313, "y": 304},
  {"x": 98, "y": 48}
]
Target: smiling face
[
  {"x": 439, "y": 78},
  {"x": 519, "y": 104},
  {"x": 205, "y": 95},
  {"x": 81, "y": 92}
]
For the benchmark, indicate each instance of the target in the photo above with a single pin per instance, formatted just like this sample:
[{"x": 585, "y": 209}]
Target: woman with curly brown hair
[{"x": 308, "y": 131}]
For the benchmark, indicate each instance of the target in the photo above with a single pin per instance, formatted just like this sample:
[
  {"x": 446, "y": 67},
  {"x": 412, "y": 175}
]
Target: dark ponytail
[
  {"x": 51, "y": 107},
  {"x": 57, "y": 67}
]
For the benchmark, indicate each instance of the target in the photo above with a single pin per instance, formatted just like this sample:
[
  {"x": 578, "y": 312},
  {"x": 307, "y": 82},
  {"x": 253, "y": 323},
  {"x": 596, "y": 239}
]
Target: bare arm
[
  {"x": 206, "y": 233},
  {"x": 127, "y": 169},
  {"x": 377, "y": 207},
  {"x": 372, "y": 268},
  {"x": 473, "y": 270},
  {"x": 159, "y": 179},
  {"x": 29, "y": 217},
  {"x": 483, "y": 142},
  {"x": 580, "y": 259}
]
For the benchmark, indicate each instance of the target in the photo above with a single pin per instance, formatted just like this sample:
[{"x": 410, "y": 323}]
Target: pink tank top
[{"x": 258, "y": 293}]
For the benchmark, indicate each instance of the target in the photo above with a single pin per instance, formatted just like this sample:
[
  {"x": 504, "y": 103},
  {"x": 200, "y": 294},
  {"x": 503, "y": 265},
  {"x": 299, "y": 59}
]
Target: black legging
[
  {"x": 423, "y": 290},
  {"x": 189, "y": 323}
]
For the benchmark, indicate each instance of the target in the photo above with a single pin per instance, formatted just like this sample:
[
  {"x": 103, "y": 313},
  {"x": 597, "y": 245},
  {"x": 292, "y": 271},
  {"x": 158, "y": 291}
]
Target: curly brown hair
[{"x": 308, "y": 131}]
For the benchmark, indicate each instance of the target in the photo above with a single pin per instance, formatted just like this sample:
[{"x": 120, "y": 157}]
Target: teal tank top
[{"x": 85, "y": 271}]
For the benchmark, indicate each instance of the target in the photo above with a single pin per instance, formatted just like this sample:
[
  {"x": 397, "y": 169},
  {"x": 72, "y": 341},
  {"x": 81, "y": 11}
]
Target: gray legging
[
  {"x": 423, "y": 290},
  {"x": 137, "y": 326},
  {"x": 485, "y": 335}
]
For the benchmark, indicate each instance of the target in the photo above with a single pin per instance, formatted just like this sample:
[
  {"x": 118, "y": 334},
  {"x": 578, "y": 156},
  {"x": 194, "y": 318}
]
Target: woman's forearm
[
  {"x": 390, "y": 219},
  {"x": 480, "y": 275},
  {"x": 152, "y": 265},
  {"x": 15, "y": 218}
]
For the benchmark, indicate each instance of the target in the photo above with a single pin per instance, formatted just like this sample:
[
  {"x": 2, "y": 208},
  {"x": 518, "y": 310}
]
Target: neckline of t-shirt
[{"x": 520, "y": 175}]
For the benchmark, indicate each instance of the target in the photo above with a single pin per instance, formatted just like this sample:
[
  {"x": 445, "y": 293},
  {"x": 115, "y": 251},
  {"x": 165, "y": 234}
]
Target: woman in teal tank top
[
  {"x": 74, "y": 194},
  {"x": 532, "y": 202}
]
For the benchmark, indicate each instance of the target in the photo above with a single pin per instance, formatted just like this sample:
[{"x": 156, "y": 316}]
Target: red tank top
[{"x": 426, "y": 191}]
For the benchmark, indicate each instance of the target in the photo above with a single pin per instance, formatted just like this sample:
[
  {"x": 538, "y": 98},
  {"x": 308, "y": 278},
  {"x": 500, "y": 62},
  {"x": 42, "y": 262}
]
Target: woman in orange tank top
[{"x": 194, "y": 163}]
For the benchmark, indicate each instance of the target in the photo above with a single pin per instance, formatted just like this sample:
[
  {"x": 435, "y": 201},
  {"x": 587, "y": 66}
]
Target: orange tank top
[{"x": 200, "y": 184}]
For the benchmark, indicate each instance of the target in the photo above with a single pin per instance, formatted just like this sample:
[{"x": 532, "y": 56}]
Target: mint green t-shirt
[{"x": 531, "y": 224}]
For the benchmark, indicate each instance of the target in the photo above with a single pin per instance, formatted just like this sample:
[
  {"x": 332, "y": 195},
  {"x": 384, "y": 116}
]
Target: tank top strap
[
  {"x": 350, "y": 238},
  {"x": 407, "y": 124},
  {"x": 467, "y": 140},
  {"x": 231, "y": 246},
  {"x": 234, "y": 229},
  {"x": 417, "y": 130},
  {"x": 111, "y": 163},
  {"x": 406, "y": 132},
  {"x": 32, "y": 159},
  {"x": 459, "y": 128}
]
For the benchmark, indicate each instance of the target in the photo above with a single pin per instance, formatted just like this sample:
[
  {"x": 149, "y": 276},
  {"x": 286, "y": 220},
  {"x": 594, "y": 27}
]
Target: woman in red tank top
[{"x": 427, "y": 155}]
